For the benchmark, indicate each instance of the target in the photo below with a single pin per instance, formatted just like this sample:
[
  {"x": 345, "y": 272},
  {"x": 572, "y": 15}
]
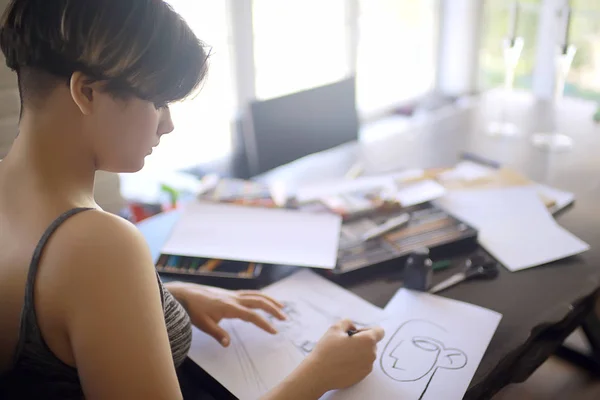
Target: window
[
  {"x": 495, "y": 29},
  {"x": 397, "y": 52},
  {"x": 298, "y": 45},
  {"x": 202, "y": 124},
  {"x": 584, "y": 77},
  {"x": 391, "y": 46}
]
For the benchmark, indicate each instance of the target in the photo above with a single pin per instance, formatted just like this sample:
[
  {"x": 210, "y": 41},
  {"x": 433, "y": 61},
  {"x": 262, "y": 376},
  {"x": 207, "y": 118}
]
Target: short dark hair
[{"x": 138, "y": 47}]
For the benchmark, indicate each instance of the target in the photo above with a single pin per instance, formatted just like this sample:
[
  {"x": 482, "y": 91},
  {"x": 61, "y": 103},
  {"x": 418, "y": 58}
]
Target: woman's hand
[
  {"x": 340, "y": 360},
  {"x": 337, "y": 362},
  {"x": 207, "y": 306}
]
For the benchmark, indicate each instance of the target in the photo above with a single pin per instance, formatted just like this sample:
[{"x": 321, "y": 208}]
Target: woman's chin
[{"x": 128, "y": 168}]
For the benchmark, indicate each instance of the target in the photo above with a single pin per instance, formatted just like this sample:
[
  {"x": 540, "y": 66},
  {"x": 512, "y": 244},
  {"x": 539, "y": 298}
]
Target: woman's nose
[{"x": 166, "y": 122}]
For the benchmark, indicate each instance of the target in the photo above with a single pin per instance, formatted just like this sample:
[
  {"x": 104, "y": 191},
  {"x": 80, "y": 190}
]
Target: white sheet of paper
[
  {"x": 256, "y": 361},
  {"x": 514, "y": 226},
  {"x": 561, "y": 198},
  {"x": 467, "y": 171},
  {"x": 419, "y": 192},
  {"x": 431, "y": 349},
  {"x": 272, "y": 236},
  {"x": 320, "y": 190}
]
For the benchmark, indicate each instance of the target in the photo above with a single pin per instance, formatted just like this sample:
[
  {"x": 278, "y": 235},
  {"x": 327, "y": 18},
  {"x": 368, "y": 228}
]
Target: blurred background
[
  {"x": 404, "y": 54},
  {"x": 407, "y": 60}
]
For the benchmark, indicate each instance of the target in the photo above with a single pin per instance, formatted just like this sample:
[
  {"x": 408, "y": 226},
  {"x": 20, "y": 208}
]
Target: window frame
[{"x": 245, "y": 68}]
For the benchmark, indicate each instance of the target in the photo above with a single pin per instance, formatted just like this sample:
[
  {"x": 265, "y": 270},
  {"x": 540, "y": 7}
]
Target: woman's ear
[{"x": 82, "y": 92}]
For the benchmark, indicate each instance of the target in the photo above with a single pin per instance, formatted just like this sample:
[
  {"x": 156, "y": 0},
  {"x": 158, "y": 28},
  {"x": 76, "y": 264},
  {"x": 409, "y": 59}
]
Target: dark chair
[{"x": 280, "y": 130}]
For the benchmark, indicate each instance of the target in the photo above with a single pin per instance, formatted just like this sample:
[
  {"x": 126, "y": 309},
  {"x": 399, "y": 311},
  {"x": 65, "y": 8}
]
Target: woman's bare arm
[{"x": 112, "y": 310}]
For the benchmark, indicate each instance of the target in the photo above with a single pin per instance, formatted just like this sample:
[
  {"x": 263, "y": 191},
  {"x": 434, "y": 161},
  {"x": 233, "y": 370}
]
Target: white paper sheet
[
  {"x": 419, "y": 192},
  {"x": 514, "y": 226},
  {"x": 255, "y": 361},
  {"x": 320, "y": 190},
  {"x": 467, "y": 171},
  {"x": 561, "y": 198},
  {"x": 271, "y": 236},
  {"x": 431, "y": 350}
]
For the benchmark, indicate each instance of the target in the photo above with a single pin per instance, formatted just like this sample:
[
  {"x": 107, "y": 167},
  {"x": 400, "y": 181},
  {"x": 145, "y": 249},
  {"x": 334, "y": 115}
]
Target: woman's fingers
[
  {"x": 375, "y": 333},
  {"x": 263, "y": 304},
  {"x": 256, "y": 293},
  {"x": 213, "y": 329},
  {"x": 245, "y": 314}
]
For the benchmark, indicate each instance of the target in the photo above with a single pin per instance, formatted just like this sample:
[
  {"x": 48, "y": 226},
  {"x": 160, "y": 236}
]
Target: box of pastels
[
  {"x": 222, "y": 273},
  {"x": 428, "y": 226}
]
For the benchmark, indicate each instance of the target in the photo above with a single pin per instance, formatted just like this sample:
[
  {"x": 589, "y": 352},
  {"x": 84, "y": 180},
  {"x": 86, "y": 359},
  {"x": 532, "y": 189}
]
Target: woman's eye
[{"x": 160, "y": 106}]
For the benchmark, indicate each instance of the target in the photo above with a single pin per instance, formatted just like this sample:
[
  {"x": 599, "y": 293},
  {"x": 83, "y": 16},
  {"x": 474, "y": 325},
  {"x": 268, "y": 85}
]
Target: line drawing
[
  {"x": 253, "y": 371},
  {"x": 302, "y": 315},
  {"x": 415, "y": 352},
  {"x": 303, "y": 329},
  {"x": 249, "y": 369},
  {"x": 294, "y": 328}
]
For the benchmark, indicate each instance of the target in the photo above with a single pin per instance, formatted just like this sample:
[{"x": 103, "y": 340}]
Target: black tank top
[{"x": 37, "y": 373}]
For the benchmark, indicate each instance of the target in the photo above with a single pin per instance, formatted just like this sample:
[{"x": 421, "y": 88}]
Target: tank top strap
[{"x": 28, "y": 315}]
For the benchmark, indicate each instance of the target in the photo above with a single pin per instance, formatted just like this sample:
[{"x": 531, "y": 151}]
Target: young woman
[{"x": 82, "y": 311}]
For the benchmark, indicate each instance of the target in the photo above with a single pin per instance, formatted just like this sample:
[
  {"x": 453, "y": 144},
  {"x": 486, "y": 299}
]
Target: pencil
[
  {"x": 162, "y": 260},
  {"x": 250, "y": 270},
  {"x": 210, "y": 265},
  {"x": 173, "y": 263},
  {"x": 194, "y": 265},
  {"x": 185, "y": 263}
]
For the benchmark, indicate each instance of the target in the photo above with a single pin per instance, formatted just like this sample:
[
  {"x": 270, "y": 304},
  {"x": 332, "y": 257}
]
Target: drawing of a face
[{"x": 415, "y": 350}]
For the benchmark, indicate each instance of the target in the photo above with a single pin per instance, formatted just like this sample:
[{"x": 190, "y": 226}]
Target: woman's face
[{"x": 124, "y": 132}]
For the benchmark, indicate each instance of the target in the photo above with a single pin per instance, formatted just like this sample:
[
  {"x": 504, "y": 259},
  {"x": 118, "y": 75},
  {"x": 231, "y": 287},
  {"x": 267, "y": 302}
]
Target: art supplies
[
  {"x": 391, "y": 224},
  {"x": 256, "y": 361},
  {"x": 476, "y": 267},
  {"x": 431, "y": 349},
  {"x": 384, "y": 182},
  {"x": 514, "y": 226},
  {"x": 237, "y": 191},
  {"x": 428, "y": 227},
  {"x": 418, "y": 270},
  {"x": 254, "y": 234},
  {"x": 224, "y": 273}
]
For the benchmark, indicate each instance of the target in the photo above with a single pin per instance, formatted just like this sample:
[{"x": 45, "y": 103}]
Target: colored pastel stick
[
  {"x": 195, "y": 264},
  {"x": 210, "y": 265},
  {"x": 162, "y": 260}
]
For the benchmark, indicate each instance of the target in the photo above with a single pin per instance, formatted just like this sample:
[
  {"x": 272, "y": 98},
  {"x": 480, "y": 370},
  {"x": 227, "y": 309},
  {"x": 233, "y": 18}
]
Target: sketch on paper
[
  {"x": 293, "y": 329},
  {"x": 305, "y": 323},
  {"x": 298, "y": 335},
  {"x": 415, "y": 352},
  {"x": 257, "y": 361}
]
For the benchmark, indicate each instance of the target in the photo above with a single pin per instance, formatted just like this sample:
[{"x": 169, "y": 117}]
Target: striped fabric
[{"x": 38, "y": 373}]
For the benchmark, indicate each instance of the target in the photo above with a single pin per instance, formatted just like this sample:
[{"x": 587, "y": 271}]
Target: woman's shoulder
[
  {"x": 97, "y": 225},
  {"x": 95, "y": 243}
]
